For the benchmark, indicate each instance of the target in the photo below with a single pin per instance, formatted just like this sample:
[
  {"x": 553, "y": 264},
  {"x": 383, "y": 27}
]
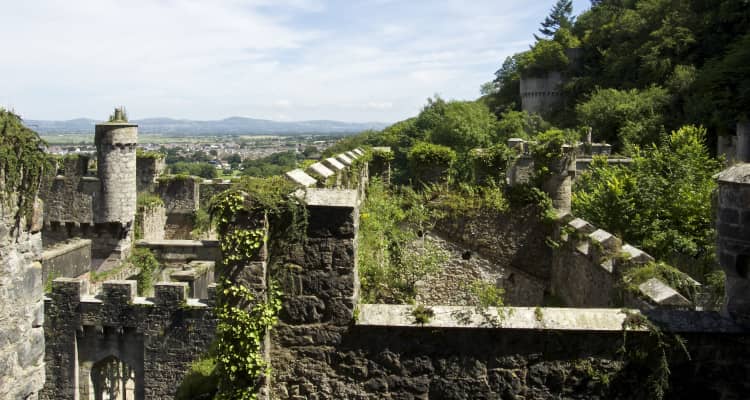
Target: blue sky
[{"x": 351, "y": 60}]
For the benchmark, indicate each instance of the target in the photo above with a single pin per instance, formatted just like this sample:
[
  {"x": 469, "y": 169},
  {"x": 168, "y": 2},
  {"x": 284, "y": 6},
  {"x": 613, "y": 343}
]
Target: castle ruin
[{"x": 103, "y": 340}]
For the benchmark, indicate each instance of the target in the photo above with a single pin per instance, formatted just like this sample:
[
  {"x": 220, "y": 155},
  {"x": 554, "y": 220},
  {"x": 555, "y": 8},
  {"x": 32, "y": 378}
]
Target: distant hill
[{"x": 227, "y": 126}]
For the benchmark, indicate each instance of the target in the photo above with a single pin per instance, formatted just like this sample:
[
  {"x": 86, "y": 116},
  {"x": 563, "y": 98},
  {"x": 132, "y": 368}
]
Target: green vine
[
  {"x": 148, "y": 265},
  {"x": 243, "y": 323},
  {"x": 240, "y": 216},
  {"x": 23, "y": 164},
  {"x": 650, "y": 356}
]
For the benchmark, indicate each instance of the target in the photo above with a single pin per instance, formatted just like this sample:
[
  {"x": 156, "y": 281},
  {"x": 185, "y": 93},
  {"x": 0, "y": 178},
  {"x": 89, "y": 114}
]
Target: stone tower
[
  {"x": 116, "y": 142},
  {"x": 733, "y": 225}
]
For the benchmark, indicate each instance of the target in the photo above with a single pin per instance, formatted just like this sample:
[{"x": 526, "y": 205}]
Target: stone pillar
[
  {"x": 116, "y": 146},
  {"x": 21, "y": 305},
  {"x": 743, "y": 142},
  {"x": 320, "y": 289},
  {"x": 559, "y": 185},
  {"x": 733, "y": 225},
  {"x": 62, "y": 325}
]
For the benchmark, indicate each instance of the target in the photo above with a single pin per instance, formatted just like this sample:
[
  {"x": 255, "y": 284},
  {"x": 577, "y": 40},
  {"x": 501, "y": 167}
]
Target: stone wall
[
  {"x": 150, "y": 223},
  {"x": 180, "y": 194},
  {"x": 148, "y": 169},
  {"x": 514, "y": 238},
  {"x": 181, "y": 201},
  {"x": 156, "y": 338},
  {"x": 21, "y": 308},
  {"x": 182, "y": 251},
  {"x": 328, "y": 346},
  {"x": 733, "y": 244},
  {"x": 67, "y": 259},
  {"x": 70, "y": 197}
]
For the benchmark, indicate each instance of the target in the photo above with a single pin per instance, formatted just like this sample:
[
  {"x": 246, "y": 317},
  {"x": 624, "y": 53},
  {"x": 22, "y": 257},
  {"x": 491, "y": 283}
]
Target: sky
[{"x": 286, "y": 60}]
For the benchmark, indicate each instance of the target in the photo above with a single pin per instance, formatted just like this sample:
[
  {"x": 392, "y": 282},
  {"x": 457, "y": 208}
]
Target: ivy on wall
[
  {"x": 240, "y": 215},
  {"x": 23, "y": 164}
]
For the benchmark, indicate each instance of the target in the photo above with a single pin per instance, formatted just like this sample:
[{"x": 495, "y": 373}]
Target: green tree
[
  {"x": 462, "y": 125},
  {"x": 202, "y": 169},
  {"x": 661, "y": 203},
  {"x": 561, "y": 16},
  {"x": 620, "y": 117},
  {"x": 519, "y": 124}
]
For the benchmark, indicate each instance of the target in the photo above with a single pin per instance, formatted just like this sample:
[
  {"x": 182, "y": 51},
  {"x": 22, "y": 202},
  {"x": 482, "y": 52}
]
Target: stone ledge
[
  {"x": 548, "y": 319},
  {"x": 66, "y": 247},
  {"x": 576, "y": 319},
  {"x": 176, "y": 243},
  {"x": 330, "y": 197}
]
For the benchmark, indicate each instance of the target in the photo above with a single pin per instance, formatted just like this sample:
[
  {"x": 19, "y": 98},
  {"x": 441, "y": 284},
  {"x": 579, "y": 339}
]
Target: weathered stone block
[
  {"x": 344, "y": 159},
  {"x": 119, "y": 292},
  {"x": 659, "y": 293},
  {"x": 299, "y": 177},
  {"x": 334, "y": 164},
  {"x": 172, "y": 294}
]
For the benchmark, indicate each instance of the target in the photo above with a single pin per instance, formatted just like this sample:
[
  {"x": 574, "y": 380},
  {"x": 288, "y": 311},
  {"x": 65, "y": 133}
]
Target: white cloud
[{"x": 201, "y": 60}]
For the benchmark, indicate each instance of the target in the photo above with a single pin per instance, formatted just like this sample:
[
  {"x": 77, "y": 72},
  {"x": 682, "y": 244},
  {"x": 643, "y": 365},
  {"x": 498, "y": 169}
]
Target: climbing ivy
[
  {"x": 148, "y": 265},
  {"x": 240, "y": 216},
  {"x": 651, "y": 356},
  {"x": 243, "y": 323},
  {"x": 23, "y": 164}
]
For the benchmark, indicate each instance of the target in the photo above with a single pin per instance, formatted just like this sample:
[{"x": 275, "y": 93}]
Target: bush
[
  {"x": 145, "y": 260},
  {"x": 200, "y": 382},
  {"x": 662, "y": 203},
  {"x": 430, "y": 162}
]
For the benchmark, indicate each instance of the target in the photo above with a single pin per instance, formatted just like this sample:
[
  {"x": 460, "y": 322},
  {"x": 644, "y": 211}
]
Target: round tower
[
  {"x": 733, "y": 226},
  {"x": 115, "y": 148}
]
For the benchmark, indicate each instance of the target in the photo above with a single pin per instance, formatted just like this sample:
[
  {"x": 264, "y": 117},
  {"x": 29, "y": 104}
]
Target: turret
[
  {"x": 116, "y": 142},
  {"x": 733, "y": 225}
]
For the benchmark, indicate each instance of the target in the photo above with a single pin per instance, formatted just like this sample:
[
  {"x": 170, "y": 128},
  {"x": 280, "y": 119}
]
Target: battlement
[
  {"x": 590, "y": 263},
  {"x": 333, "y": 172},
  {"x": 118, "y": 303}
]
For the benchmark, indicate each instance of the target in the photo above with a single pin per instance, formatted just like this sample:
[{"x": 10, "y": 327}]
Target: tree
[
  {"x": 202, "y": 169},
  {"x": 661, "y": 203},
  {"x": 622, "y": 117},
  {"x": 462, "y": 125},
  {"x": 561, "y": 16}
]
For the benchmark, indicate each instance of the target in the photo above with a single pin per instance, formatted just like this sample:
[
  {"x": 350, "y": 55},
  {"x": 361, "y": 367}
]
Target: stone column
[
  {"x": 320, "y": 287},
  {"x": 559, "y": 185},
  {"x": 733, "y": 225}
]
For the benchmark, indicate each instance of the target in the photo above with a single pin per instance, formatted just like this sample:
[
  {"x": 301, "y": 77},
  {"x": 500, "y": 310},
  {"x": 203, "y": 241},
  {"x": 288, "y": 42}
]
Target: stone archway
[{"x": 112, "y": 379}]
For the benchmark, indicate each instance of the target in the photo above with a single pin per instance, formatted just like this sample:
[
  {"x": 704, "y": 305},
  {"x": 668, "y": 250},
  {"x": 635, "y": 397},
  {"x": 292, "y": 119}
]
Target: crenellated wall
[
  {"x": 327, "y": 345},
  {"x": 156, "y": 339}
]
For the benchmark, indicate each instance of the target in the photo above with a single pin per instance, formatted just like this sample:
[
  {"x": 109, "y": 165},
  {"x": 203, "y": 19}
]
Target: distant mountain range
[{"x": 227, "y": 126}]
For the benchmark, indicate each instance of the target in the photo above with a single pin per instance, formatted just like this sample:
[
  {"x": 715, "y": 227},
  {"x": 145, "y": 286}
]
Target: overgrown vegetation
[
  {"x": 23, "y": 164},
  {"x": 392, "y": 254},
  {"x": 240, "y": 216},
  {"x": 673, "y": 277},
  {"x": 646, "y": 371},
  {"x": 148, "y": 265},
  {"x": 661, "y": 202},
  {"x": 422, "y": 314},
  {"x": 140, "y": 153}
]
